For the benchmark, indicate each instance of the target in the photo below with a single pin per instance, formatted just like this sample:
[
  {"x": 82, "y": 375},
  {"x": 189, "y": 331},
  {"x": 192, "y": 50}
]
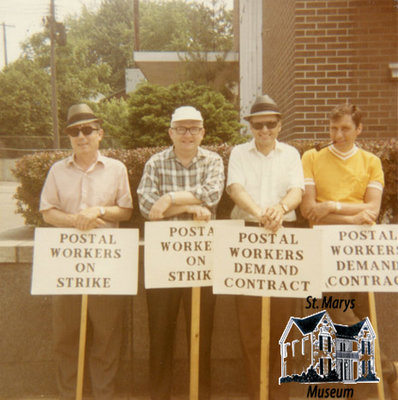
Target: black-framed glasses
[
  {"x": 85, "y": 130},
  {"x": 260, "y": 125},
  {"x": 182, "y": 130}
]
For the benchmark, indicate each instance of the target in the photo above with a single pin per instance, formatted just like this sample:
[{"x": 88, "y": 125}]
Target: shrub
[
  {"x": 150, "y": 108},
  {"x": 31, "y": 171}
]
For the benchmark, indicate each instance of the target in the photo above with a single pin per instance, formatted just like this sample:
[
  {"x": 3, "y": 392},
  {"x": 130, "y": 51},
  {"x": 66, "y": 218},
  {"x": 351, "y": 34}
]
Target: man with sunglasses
[
  {"x": 86, "y": 191},
  {"x": 183, "y": 182},
  {"x": 265, "y": 181}
]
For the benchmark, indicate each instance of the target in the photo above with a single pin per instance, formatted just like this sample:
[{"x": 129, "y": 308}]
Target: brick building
[{"x": 317, "y": 54}]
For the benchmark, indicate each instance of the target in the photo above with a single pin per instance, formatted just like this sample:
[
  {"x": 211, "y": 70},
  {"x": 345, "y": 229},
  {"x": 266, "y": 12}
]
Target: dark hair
[{"x": 347, "y": 109}]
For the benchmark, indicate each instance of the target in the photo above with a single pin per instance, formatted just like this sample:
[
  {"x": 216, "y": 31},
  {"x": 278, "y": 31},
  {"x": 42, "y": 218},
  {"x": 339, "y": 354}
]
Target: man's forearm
[
  {"x": 184, "y": 198},
  {"x": 61, "y": 219},
  {"x": 116, "y": 214},
  {"x": 292, "y": 198},
  {"x": 58, "y": 218},
  {"x": 243, "y": 200},
  {"x": 175, "y": 210}
]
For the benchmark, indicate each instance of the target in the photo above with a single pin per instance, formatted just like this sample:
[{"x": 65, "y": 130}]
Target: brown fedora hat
[
  {"x": 263, "y": 105},
  {"x": 80, "y": 114}
]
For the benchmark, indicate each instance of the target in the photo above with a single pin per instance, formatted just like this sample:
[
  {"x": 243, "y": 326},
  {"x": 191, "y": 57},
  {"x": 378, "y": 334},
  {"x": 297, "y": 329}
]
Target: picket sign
[
  {"x": 99, "y": 261},
  {"x": 350, "y": 256},
  {"x": 46, "y": 281},
  {"x": 184, "y": 250}
]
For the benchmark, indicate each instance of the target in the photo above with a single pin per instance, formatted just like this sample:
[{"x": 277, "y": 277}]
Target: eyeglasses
[
  {"x": 260, "y": 125},
  {"x": 182, "y": 130},
  {"x": 86, "y": 130}
]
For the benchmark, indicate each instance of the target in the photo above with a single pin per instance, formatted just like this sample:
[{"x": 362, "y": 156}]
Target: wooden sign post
[
  {"x": 82, "y": 348},
  {"x": 373, "y": 319},
  {"x": 265, "y": 347},
  {"x": 195, "y": 342}
]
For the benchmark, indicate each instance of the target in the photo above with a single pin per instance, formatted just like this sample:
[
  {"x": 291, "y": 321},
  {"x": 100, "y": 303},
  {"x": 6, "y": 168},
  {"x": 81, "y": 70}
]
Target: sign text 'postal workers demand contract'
[
  {"x": 258, "y": 262},
  {"x": 360, "y": 258}
]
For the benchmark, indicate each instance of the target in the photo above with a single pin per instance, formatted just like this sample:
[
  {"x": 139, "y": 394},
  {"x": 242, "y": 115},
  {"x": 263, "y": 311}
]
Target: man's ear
[
  {"x": 101, "y": 133},
  {"x": 359, "y": 129}
]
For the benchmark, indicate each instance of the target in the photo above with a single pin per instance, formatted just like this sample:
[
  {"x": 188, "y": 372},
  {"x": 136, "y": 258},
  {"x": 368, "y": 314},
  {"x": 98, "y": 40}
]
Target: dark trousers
[
  {"x": 249, "y": 317},
  {"x": 163, "y": 307},
  {"x": 105, "y": 314}
]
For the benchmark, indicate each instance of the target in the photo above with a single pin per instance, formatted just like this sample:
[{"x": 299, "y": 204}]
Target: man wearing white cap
[
  {"x": 265, "y": 180},
  {"x": 86, "y": 191},
  {"x": 182, "y": 182}
]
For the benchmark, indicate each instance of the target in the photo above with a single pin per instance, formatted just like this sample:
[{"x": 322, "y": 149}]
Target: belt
[{"x": 286, "y": 224}]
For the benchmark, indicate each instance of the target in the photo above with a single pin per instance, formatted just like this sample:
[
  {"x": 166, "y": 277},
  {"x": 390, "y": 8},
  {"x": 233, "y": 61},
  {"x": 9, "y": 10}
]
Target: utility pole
[
  {"x": 54, "y": 108},
  {"x": 5, "y": 41},
  {"x": 136, "y": 11}
]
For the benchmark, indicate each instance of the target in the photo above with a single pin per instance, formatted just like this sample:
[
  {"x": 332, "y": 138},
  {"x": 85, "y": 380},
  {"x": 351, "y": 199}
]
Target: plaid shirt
[{"x": 163, "y": 173}]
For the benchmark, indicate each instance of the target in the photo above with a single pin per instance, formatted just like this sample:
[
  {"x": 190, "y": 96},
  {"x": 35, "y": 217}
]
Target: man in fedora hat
[
  {"x": 182, "y": 182},
  {"x": 265, "y": 181},
  {"x": 85, "y": 191}
]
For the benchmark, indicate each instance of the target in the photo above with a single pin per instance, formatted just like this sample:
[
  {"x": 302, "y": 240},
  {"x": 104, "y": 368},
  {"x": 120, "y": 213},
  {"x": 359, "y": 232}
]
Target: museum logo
[{"x": 316, "y": 350}]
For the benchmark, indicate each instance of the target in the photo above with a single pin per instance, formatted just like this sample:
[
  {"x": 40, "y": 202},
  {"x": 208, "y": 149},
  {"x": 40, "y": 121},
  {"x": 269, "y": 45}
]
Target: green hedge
[{"x": 31, "y": 171}]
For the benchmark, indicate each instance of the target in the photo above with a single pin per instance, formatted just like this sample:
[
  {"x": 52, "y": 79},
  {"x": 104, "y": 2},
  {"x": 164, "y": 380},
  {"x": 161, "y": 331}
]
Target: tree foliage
[
  {"x": 98, "y": 49},
  {"x": 185, "y": 26},
  {"x": 24, "y": 99},
  {"x": 151, "y": 107}
]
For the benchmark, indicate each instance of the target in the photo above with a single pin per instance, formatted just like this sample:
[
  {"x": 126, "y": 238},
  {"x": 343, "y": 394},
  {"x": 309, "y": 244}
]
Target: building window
[
  {"x": 325, "y": 366},
  {"x": 366, "y": 347},
  {"x": 325, "y": 342},
  {"x": 342, "y": 346}
]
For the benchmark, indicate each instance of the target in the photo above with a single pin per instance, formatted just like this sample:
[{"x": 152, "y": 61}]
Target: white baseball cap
[{"x": 185, "y": 113}]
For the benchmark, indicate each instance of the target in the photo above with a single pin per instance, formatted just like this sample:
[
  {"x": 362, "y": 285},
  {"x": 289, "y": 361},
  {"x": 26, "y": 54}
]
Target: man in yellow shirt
[{"x": 344, "y": 185}]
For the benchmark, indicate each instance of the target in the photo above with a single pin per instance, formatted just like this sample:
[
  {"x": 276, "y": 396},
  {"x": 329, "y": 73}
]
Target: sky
[{"x": 22, "y": 18}]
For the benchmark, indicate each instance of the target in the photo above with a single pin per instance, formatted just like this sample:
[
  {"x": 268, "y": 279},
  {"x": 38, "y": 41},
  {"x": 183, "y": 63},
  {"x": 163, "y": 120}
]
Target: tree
[
  {"x": 98, "y": 49},
  {"x": 25, "y": 90},
  {"x": 180, "y": 26},
  {"x": 109, "y": 38},
  {"x": 151, "y": 107},
  {"x": 114, "y": 114},
  {"x": 24, "y": 109}
]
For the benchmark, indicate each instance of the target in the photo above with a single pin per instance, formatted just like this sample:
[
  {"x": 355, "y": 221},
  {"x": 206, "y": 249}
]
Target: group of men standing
[{"x": 340, "y": 184}]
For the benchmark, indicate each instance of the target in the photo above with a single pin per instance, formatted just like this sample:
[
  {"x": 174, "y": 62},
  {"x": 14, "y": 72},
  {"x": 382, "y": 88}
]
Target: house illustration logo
[{"x": 315, "y": 349}]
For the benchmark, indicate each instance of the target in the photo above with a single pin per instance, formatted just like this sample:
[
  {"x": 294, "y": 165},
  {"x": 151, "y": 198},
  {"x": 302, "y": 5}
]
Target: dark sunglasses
[
  {"x": 86, "y": 130},
  {"x": 260, "y": 125}
]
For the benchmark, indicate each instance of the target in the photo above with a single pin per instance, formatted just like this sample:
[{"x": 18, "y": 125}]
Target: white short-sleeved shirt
[
  {"x": 268, "y": 178},
  {"x": 70, "y": 189}
]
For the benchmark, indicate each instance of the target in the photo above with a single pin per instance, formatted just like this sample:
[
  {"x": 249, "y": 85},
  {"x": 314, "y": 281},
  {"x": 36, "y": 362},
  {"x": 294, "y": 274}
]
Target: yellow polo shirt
[{"x": 342, "y": 177}]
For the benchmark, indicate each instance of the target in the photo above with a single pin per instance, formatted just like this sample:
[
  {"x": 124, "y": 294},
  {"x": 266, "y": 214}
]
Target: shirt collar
[
  {"x": 341, "y": 155},
  {"x": 252, "y": 146},
  {"x": 100, "y": 160},
  {"x": 171, "y": 155}
]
